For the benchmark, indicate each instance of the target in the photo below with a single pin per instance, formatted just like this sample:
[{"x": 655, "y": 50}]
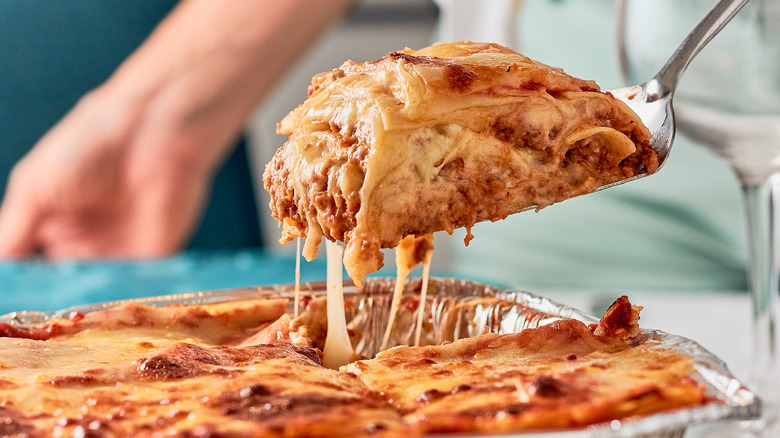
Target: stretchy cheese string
[
  {"x": 402, "y": 258},
  {"x": 423, "y": 293},
  {"x": 405, "y": 261},
  {"x": 297, "y": 274},
  {"x": 338, "y": 349}
]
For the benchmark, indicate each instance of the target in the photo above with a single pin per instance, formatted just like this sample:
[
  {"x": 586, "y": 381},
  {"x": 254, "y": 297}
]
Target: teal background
[{"x": 52, "y": 52}]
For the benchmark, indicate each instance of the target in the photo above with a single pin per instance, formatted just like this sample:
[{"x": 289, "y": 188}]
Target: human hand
[
  {"x": 102, "y": 182},
  {"x": 127, "y": 171}
]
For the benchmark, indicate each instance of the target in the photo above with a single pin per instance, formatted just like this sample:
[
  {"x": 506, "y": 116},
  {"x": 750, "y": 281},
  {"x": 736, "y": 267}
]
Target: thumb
[{"x": 17, "y": 228}]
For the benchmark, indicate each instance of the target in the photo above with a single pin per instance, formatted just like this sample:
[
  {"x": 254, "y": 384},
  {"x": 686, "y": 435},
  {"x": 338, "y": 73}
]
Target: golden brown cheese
[
  {"x": 440, "y": 138},
  {"x": 208, "y": 323},
  {"x": 556, "y": 376},
  {"x": 141, "y": 371},
  {"x": 168, "y": 373}
]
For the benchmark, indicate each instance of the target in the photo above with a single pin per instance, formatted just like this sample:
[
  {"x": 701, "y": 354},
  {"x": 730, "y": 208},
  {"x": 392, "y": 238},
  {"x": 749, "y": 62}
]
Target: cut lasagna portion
[
  {"x": 441, "y": 138},
  {"x": 227, "y": 370},
  {"x": 560, "y": 375}
]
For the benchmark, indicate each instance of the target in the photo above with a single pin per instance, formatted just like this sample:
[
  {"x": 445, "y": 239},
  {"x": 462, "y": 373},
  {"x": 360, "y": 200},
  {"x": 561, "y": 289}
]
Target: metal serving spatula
[{"x": 652, "y": 100}]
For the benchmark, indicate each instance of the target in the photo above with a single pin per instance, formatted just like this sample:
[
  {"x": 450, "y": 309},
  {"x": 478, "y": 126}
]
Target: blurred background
[
  {"x": 640, "y": 236},
  {"x": 236, "y": 244},
  {"x": 680, "y": 230}
]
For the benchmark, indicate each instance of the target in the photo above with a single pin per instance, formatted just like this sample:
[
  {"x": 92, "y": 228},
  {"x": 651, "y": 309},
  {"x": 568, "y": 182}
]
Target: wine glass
[{"x": 729, "y": 101}]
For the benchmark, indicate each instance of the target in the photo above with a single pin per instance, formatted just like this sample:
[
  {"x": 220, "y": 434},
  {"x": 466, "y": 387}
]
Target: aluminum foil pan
[{"x": 461, "y": 308}]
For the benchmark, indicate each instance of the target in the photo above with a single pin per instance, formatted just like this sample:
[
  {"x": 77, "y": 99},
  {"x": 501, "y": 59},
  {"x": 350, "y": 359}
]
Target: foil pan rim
[
  {"x": 286, "y": 290},
  {"x": 738, "y": 402}
]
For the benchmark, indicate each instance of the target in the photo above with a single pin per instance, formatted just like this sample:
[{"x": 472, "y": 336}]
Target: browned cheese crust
[
  {"x": 195, "y": 371},
  {"x": 440, "y": 138},
  {"x": 560, "y": 375},
  {"x": 227, "y": 370}
]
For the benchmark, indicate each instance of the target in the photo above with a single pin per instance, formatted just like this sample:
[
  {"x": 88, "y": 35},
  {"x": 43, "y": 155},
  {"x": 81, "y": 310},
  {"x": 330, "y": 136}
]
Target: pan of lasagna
[{"x": 467, "y": 359}]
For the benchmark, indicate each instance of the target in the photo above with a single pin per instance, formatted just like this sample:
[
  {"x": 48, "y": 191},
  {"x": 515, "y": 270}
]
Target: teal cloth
[
  {"x": 42, "y": 286},
  {"x": 54, "y": 51}
]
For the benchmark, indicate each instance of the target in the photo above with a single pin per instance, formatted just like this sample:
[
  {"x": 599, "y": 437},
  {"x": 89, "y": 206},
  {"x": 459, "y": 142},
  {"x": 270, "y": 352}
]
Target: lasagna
[
  {"x": 439, "y": 138},
  {"x": 248, "y": 369}
]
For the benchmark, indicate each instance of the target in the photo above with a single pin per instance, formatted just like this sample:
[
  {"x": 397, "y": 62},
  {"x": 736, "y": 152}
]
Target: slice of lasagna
[
  {"x": 238, "y": 369},
  {"x": 440, "y": 138},
  {"x": 561, "y": 375}
]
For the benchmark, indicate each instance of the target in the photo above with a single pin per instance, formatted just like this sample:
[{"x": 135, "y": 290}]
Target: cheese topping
[
  {"x": 297, "y": 275},
  {"x": 338, "y": 349},
  {"x": 123, "y": 372},
  {"x": 410, "y": 252},
  {"x": 440, "y": 138}
]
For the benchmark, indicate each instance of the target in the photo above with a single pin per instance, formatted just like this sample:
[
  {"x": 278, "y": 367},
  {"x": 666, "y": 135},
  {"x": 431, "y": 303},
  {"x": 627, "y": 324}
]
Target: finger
[
  {"x": 79, "y": 237},
  {"x": 17, "y": 229}
]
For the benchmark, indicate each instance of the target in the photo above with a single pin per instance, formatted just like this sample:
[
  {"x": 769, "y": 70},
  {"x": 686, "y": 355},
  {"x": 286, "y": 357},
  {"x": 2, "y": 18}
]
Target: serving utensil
[
  {"x": 652, "y": 100},
  {"x": 731, "y": 106}
]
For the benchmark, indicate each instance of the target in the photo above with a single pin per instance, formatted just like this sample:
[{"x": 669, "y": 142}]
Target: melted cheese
[
  {"x": 64, "y": 390},
  {"x": 412, "y": 250},
  {"x": 440, "y": 138},
  {"x": 338, "y": 347},
  {"x": 423, "y": 297},
  {"x": 136, "y": 370},
  {"x": 404, "y": 267},
  {"x": 297, "y": 275},
  {"x": 233, "y": 369},
  {"x": 554, "y": 376}
]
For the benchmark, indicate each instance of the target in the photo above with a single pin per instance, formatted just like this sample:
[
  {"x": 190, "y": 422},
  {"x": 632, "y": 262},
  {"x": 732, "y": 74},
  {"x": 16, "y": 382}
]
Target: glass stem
[{"x": 761, "y": 214}]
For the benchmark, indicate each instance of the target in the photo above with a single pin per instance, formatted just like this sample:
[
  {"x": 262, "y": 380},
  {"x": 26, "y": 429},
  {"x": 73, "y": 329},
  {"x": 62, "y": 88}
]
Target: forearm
[{"x": 200, "y": 74}]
